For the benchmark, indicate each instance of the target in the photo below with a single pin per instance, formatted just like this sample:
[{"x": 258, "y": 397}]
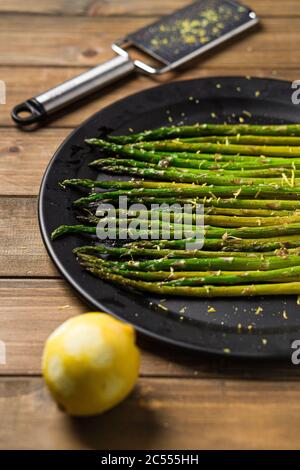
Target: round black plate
[{"x": 235, "y": 327}]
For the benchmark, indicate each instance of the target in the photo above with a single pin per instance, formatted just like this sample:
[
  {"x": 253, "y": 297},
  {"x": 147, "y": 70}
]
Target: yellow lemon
[{"x": 91, "y": 363}]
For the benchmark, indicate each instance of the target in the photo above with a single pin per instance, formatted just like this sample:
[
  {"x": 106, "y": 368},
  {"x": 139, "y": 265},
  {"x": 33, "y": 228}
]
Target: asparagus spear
[
  {"x": 228, "y": 263},
  {"x": 210, "y": 129},
  {"x": 177, "y": 146},
  {"x": 194, "y": 191},
  {"x": 248, "y": 139},
  {"x": 234, "y": 165},
  {"x": 252, "y": 245},
  {"x": 192, "y": 278},
  {"x": 163, "y": 233},
  {"x": 213, "y": 202},
  {"x": 100, "y": 250},
  {"x": 262, "y": 244},
  {"x": 182, "y": 177},
  {"x": 210, "y": 202},
  {"x": 274, "y": 172},
  {"x": 209, "y": 231},
  {"x": 90, "y": 261},
  {"x": 276, "y": 275},
  {"x": 213, "y": 220},
  {"x": 252, "y": 203},
  {"x": 211, "y": 210},
  {"x": 209, "y": 198},
  {"x": 67, "y": 229},
  {"x": 143, "y": 186},
  {"x": 87, "y": 183},
  {"x": 236, "y": 212},
  {"x": 213, "y": 278},
  {"x": 197, "y": 158},
  {"x": 205, "y": 291}
]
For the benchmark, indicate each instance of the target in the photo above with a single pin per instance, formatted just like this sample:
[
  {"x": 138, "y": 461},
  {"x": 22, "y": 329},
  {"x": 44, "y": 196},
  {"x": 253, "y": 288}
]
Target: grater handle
[{"x": 36, "y": 109}]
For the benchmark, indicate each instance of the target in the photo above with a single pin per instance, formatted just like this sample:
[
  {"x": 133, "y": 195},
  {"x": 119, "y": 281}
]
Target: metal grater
[{"x": 172, "y": 41}]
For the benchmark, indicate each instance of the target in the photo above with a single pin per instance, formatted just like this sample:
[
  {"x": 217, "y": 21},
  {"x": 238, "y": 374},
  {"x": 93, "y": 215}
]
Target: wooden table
[{"x": 182, "y": 400}]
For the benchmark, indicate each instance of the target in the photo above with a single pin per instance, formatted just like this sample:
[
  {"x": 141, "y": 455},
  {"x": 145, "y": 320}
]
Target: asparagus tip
[
  {"x": 79, "y": 202},
  {"x": 80, "y": 250},
  {"x": 59, "y": 231},
  {"x": 68, "y": 182},
  {"x": 98, "y": 142},
  {"x": 62, "y": 184}
]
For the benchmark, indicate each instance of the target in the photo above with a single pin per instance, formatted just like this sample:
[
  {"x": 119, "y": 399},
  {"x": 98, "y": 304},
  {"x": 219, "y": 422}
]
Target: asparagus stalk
[
  {"x": 235, "y": 207},
  {"x": 205, "y": 291},
  {"x": 247, "y": 139},
  {"x": 235, "y": 203},
  {"x": 182, "y": 177},
  {"x": 68, "y": 229},
  {"x": 234, "y": 165},
  {"x": 249, "y": 212},
  {"x": 275, "y": 173},
  {"x": 87, "y": 261},
  {"x": 219, "y": 220},
  {"x": 177, "y": 146},
  {"x": 252, "y": 245},
  {"x": 262, "y": 244},
  {"x": 194, "y": 191},
  {"x": 209, "y": 231},
  {"x": 177, "y": 220},
  {"x": 121, "y": 252},
  {"x": 209, "y": 277},
  {"x": 225, "y": 211},
  {"x": 276, "y": 275},
  {"x": 211, "y": 211},
  {"x": 192, "y": 278},
  {"x": 208, "y": 199},
  {"x": 231, "y": 203},
  {"x": 217, "y": 203},
  {"x": 209, "y": 129},
  {"x": 87, "y": 183},
  {"x": 163, "y": 233},
  {"x": 134, "y": 252},
  {"x": 227, "y": 263},
  {"x": 209, "y": 159}
]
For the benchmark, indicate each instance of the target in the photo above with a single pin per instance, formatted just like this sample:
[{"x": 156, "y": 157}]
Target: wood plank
[
  {"x": 23, "y": 83},
  {"x": 160, "y": 413},
  {"x": 22, "y": 251},
  {"x": 131, "y": 7},
  {"x": 43, "y": 7},
  {"x": 38, "y": 40},
  {"x": 24, "y": 157},
  {"x": 31, "y": 309}
]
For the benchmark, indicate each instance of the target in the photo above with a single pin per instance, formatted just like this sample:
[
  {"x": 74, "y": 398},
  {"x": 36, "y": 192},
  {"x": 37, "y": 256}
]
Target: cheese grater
[{"x": 172, "y": 41}]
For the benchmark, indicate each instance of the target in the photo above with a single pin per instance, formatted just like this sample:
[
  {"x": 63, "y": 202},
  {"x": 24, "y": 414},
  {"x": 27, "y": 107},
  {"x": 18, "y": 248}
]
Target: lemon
[{"x": 91, "y": 363}]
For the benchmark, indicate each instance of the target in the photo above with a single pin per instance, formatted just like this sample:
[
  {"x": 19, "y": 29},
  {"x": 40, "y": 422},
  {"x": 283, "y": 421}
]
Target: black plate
[{"x": 268, "y": 334}]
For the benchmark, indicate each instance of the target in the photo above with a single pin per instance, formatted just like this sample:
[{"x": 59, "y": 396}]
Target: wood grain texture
[
  {"x": 22, "y": 252},
  {"x": 23, "y": 159},
  {"x": 159, "y": 414},
  {"x": 131, "y": 7},
  {"x": 32, "y": 308},
  {"x": 41, "y": 41},
  {"x": 23, "y": 82}
]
